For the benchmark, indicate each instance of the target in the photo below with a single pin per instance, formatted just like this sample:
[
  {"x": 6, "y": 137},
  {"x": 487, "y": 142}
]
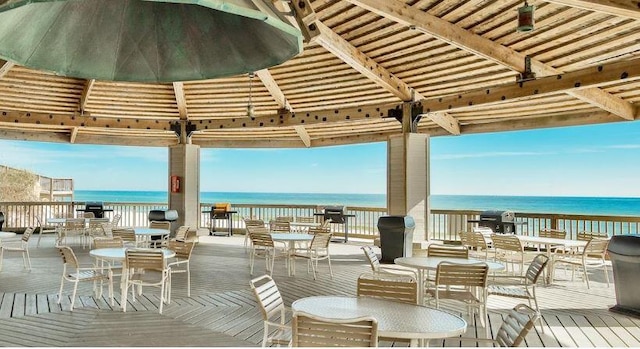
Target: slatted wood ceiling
[{"x": 372, "y": 56}]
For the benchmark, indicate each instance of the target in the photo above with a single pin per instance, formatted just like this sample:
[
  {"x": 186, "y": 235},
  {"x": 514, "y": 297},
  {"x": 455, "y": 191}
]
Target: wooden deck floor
[{"x": 222, "y": 310}]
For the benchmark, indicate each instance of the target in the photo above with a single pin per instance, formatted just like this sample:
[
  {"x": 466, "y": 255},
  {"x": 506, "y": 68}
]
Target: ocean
[{"x": 614, "y": 206}]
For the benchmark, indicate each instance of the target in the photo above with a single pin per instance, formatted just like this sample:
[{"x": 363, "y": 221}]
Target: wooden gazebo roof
[{"x": 457, "y": 62}]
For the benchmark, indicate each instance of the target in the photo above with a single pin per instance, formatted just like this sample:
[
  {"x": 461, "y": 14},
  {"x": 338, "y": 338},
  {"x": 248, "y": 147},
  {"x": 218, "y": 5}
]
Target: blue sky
[{"x": 596, "y": 160}]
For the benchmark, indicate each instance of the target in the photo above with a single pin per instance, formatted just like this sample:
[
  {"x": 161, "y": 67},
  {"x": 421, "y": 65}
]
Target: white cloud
[{"x": 624, "y": 146}]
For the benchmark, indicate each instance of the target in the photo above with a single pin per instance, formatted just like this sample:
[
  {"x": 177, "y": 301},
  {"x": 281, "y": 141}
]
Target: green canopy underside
[{"x": 146, "y": 41}]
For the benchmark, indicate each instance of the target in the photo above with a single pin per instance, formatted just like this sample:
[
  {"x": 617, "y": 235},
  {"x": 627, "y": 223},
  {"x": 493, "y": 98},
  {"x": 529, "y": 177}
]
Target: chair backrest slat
[
  {"x": 507, "y": 242},
  {"x": 144, "y": 258},
  {"x": 182, "y": 249},
  {"x": 552, "y": 233},
  {"x": 127, "y": 235},
  {"x": 535, "y": 268},
  {"x": 320, "y": 241},
  {"x": 313, "y": 331},
  {"x": 516, "y": 325},
  {"x": 447, "y": 251},
  {"x": 462, "y": 274},
  {"x": 372, "y": 257},
  {"x": 400, "y": 288},
  {"x": 108, "y": 242},
  {"x": 68, "y": 257},
  {"x": 587, "y": 235},
  {"x": 181, "y": 233},
  {"x": 268, "y": 296}
]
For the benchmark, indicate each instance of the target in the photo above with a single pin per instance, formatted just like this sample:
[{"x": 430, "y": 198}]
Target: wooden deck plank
[
  {"x": 611, "y": 337},
  {"x": 223, "y": 310},
  {"x": 42, "y": 303},
  {"x": 624, "y": 328},
  {"x": 6, "y": 308}
]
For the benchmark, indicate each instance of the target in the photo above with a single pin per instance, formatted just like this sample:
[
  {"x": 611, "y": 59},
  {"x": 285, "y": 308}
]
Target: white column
[
  {"x": 408, "y": 178},
  {"x": 184, "y": 162}
]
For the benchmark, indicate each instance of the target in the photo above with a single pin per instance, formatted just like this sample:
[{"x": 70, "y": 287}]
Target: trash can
[
  {"x": 624, "y": 252},
  {"x": 396, "y": 237},
  {"x": 163, "y": 216},
  {"x": 1, "y": 220}
]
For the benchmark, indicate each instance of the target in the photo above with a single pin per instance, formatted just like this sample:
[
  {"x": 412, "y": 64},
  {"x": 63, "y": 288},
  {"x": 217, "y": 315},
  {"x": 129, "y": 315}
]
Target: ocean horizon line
[
  {"x": 342, "y": 193},
  {"x": 612, "y": 206}
]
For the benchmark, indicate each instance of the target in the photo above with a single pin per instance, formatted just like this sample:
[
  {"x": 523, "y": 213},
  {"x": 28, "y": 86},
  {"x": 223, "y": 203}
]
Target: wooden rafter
[
  {"x": 181, "y": 101},
  {"x": 86, "y": 93},
  {"x": 562, "y": 83},
  {"x": 415, "y": 18},
  {"x": 5, "y": 66},
  {"x": 621, "y": 8},
  {"x": 304, "y": 135},
  {"x": 446, "y": 121},
  {"x": 74, "y": 134},
  {"x": 274, "y": 89},
  {"x": 366, "y": 66}
]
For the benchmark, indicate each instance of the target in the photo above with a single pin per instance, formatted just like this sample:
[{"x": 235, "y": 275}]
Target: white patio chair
[{"x": 21, "y": 246}]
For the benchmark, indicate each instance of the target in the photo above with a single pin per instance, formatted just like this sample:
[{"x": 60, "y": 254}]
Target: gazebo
[{"x": 353, "y": 71}]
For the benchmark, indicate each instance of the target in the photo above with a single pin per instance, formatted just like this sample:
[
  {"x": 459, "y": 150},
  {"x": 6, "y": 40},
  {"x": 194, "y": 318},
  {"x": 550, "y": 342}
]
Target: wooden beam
[
  {"x": 366, "y": 66},
  {"x": 5, "y": 66},
  {"x": 569, "y": 82},
  {"x": 415, "y": 18},
  {"x": 274, "y": 89},
  {"x": 620, "y": 8},
  {"x": 561, "y": 120},
  {"x": 70, "y": 120},
  {"x": 86, "y": 93},
  {"x": 74, "y": 134},
  {"x": 304, "y": 135},
  {"x": 181, "y": 101},
  {"x": 446, "y": 121}
]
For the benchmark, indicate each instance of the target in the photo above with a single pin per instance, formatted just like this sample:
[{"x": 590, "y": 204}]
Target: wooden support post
[{"x": 184, "y": 162}]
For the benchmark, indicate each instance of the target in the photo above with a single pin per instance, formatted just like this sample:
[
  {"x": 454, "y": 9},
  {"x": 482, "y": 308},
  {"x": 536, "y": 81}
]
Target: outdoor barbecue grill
[
  {"x": 337, "y": 216},
  {"x": 96, "y": 207},
  {"x": 221, "y": 210},
  {"x": 501, "y": 222}
]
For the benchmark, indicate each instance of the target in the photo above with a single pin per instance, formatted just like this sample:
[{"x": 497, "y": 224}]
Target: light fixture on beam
[{"x": 525, "y": 18}]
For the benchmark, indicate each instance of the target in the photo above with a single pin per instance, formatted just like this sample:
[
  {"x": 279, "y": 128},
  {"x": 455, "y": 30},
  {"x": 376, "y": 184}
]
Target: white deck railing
[{"x": 444, "y": 224}]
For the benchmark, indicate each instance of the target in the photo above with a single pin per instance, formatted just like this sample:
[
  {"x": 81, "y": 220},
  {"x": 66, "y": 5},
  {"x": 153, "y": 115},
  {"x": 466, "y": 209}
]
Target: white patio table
[
  {"x": 144, "y": 234},
  {"x": 290, "y": 240},
  {"x": 117, "y": 254},
  {"x": 423, "y": 264},
  {"x": 548, "y": 244},
  {"x": 395, "y": 319},
  {"x": 7, "y": 235}
]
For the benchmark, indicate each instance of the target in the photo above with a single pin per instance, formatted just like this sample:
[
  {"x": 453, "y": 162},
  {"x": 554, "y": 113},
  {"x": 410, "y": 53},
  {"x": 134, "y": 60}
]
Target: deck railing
[{"x": 444, "y": 224}]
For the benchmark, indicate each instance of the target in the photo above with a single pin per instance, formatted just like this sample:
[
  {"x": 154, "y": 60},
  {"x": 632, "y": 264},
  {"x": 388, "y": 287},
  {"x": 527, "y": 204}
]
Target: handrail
[{"x": 443, "y": 224}]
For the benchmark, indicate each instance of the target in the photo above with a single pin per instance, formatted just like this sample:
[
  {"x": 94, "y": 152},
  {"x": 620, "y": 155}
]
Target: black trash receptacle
[
  {"x": 624, "y": 252},
  {"x": 1, "y": 220},
  {"x": 396, "y": 237},
  {"x": 163, "y": 216}
]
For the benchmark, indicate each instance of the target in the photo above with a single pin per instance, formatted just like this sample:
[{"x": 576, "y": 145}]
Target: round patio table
[
  {"x": 395, "y": 319},
  {"x": 290, "y": 240},
  {"x": 423, "y": 264}
]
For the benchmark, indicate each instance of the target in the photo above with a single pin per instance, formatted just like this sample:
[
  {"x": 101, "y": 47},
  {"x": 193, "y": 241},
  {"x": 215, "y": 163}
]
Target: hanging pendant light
[
  {"x": 146, "y": 40},
  {"x": 250, "y": 108},
  {"x": 525, "y": 18}
]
